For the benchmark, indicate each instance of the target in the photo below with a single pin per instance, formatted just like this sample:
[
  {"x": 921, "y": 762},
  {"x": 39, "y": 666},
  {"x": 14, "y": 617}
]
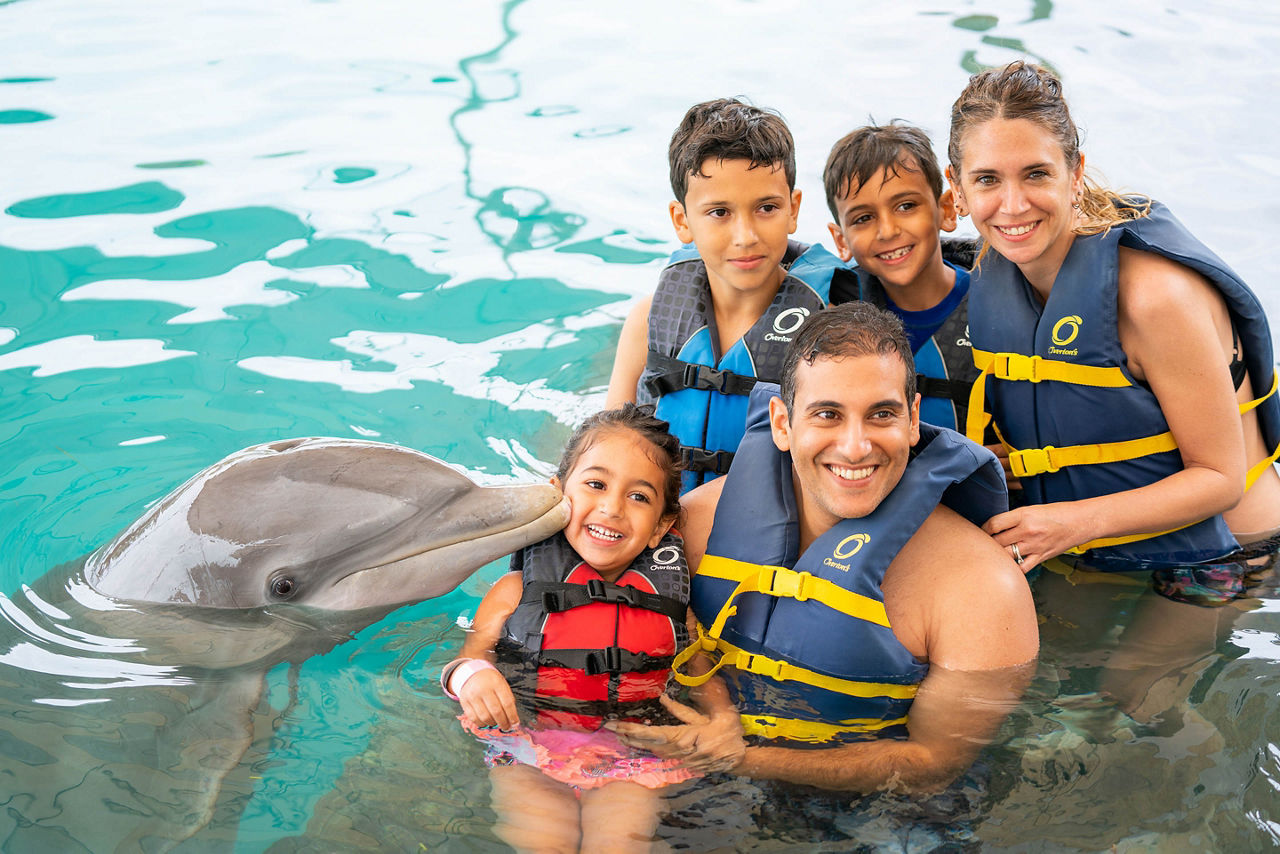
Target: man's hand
[{"x": 704, "y": 743}]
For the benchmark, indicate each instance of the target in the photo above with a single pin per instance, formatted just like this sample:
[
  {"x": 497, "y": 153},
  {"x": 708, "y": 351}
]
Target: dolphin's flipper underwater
[{"x": 131, "y": 682}]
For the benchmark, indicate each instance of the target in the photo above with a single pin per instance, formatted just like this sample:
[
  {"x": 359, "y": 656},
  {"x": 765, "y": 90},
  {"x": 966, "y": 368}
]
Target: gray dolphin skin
[
  {"x": 339, "y": 524},
  {"x": 132, "y": 710}
]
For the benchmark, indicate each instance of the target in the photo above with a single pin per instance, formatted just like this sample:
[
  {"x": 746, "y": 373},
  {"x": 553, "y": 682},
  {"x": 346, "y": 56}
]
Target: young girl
[{"x": 584, "y": 628}]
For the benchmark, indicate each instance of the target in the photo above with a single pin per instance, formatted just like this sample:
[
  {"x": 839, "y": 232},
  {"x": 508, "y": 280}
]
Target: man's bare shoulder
[
  {"x": 964, "y": 595},
  {"x": 972, "y": 558}
]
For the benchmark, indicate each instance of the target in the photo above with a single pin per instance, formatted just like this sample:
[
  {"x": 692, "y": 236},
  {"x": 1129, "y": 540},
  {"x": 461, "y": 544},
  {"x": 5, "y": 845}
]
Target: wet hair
[
  {"x": 850, "y": 329},
  {"x": 1023, "y": 90},
  {"x": 665, "y": 451},
  {"x": 875, "y": 149},
  {"x": 729, "y": 129}
]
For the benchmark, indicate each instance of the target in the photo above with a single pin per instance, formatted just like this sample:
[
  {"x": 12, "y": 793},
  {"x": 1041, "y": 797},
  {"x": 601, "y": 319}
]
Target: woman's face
[{"x": 1016, "y": 184}]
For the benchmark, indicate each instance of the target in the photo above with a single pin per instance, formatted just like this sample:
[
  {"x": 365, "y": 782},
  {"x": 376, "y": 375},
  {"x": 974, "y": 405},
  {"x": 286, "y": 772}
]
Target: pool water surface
[{"x": 423, "y": 223}]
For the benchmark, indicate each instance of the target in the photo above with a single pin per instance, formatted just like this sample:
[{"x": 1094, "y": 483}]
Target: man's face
[{"x": 849, "y": 435}]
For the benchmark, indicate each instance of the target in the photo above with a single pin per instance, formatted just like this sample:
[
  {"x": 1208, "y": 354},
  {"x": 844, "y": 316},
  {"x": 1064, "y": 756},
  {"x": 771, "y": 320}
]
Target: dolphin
[
  {"x": 339, "y": 524},
  {"x": 131, "y": 681}
]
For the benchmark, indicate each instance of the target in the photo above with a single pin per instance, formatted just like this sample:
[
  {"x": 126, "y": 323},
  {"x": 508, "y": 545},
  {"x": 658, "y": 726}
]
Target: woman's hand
[
  {"x": 487, "y": 701},
  {"x": 1038, "y": 532},
  {"x": 704, "y": 743}
]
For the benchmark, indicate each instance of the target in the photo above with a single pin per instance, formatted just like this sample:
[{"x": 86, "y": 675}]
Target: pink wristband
[{"x": 460, "y": 670}]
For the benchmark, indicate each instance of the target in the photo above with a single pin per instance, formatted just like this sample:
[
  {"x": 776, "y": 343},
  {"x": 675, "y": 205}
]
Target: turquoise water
[{"x": 423, "y": 223}]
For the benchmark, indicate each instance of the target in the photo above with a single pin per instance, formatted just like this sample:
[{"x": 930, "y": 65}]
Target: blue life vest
[
  {"x": 806, "y": 647},
  {"x": 585, "y": 649},
  {"x": 701, "y": 393},
  {"x": 944, "y": 361},
  {"x": 1062, "y": 396}
]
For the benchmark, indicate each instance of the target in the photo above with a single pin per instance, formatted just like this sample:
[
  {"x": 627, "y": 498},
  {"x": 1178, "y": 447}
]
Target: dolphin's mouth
[
  {"x": 557, "y": 512},
  {"x": 438, "y": 569}
]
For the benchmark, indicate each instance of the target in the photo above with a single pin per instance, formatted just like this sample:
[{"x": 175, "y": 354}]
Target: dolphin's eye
[{"x": 283, "y": 587}]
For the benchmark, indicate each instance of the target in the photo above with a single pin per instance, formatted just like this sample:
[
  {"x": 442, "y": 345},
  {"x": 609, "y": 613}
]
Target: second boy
[{"x": 884, "y": 189}]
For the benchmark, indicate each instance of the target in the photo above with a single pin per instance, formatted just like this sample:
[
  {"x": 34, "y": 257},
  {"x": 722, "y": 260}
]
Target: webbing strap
[
  {"x": 671, "y": 375},
  {"x": 1103, "y": 542},
  {"x": 814, "y": 732},
  {"x": 1034, "y": 461},
  {"x": 953, "y": 390},
  {"x": 782, "y": 671},
  {"x": 1255, "y": 403},
  {"x": 557, "y": 596},
  {"x": 787, "y": 583},
  {"x": 1029, "y": 462},
  {"x": 1016, "y": 366}
]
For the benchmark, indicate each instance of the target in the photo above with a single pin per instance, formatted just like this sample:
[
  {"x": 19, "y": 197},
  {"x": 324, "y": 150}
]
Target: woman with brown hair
[{"x": 1128, "y": 369}]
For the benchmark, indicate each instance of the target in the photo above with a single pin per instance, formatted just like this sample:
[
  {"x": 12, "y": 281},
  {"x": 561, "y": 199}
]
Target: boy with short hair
[
  {"x": 885, "y": 191},
  {"x": 725, "y": 308}
]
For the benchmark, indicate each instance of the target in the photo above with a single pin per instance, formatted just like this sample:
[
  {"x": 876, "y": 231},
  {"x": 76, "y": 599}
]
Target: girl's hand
[
  {"x": 487, "y": 701},
  {"x": 1039, "y": 532}
]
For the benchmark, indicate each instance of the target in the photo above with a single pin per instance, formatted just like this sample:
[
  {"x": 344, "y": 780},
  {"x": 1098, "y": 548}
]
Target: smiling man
[{"x": 867, "y": 634}]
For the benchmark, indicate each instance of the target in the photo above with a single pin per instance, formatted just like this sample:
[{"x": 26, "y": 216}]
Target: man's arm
[
  {"x": 956, "y": 599},
  {"x": 628, "y": 362},
  {"x": 954, "y": 715}
]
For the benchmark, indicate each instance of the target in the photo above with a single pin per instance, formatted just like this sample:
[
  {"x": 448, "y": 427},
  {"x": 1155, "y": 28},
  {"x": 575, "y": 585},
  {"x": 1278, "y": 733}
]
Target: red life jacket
[{"x": 585, "y": 649}]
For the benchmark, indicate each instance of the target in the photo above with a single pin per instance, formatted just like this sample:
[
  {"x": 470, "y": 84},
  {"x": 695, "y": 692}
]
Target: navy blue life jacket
[
  {"x": 805, "y": 643},
  {"x": 1062, "y": 396},
  {"x": 700, "y": 392},
  {"x": 585, "y": 649}
]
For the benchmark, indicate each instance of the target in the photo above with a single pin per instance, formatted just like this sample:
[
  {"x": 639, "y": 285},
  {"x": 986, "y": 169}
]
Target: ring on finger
[{"x": 1017, "y": 555}]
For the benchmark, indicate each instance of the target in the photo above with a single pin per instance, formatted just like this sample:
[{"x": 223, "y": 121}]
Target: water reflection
[{"x": 425, "y": 227}]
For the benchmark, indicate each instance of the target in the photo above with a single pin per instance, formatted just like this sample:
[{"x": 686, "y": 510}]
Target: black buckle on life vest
[
  {"x": 598, "y": 591},
  {"x": 698, "y": 460},
  {"x": 706, "y": 379},
  {"x": 607, "y": 660}
]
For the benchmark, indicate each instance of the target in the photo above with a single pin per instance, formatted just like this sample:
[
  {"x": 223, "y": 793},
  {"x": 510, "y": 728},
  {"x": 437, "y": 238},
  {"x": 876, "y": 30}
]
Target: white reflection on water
[
  {"x": 570, "y": 117},
  {"x": 210, "y": 297},
  {"x": 76, "y": 352}
]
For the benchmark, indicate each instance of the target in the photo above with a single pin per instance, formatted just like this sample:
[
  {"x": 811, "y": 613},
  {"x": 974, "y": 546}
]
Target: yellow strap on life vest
[
  {"x": 1251, "y": 477},
  {"x": 782, "y": 671},
  {"x": 787, "y": 583},
  {"x": 1029, "y": 462},
  {"x": 1255, "y": 403},
  {"x": 1034, "y": 461},
  {"x": 701, "y": 644},
  {"x": 1016, "y": 366},
  {"x": 772, "y": 581},
  {"x": 814, "y": 732}
]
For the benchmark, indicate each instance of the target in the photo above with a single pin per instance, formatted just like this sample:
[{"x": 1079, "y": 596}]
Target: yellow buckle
[
  {"x": 786, "y": 582},
  {"x": 762, "y": 666},
  {"x": 1016, "y": 366},
  {"x": 1032, "y": 461},
  {"x": 765, "y": 726}
]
